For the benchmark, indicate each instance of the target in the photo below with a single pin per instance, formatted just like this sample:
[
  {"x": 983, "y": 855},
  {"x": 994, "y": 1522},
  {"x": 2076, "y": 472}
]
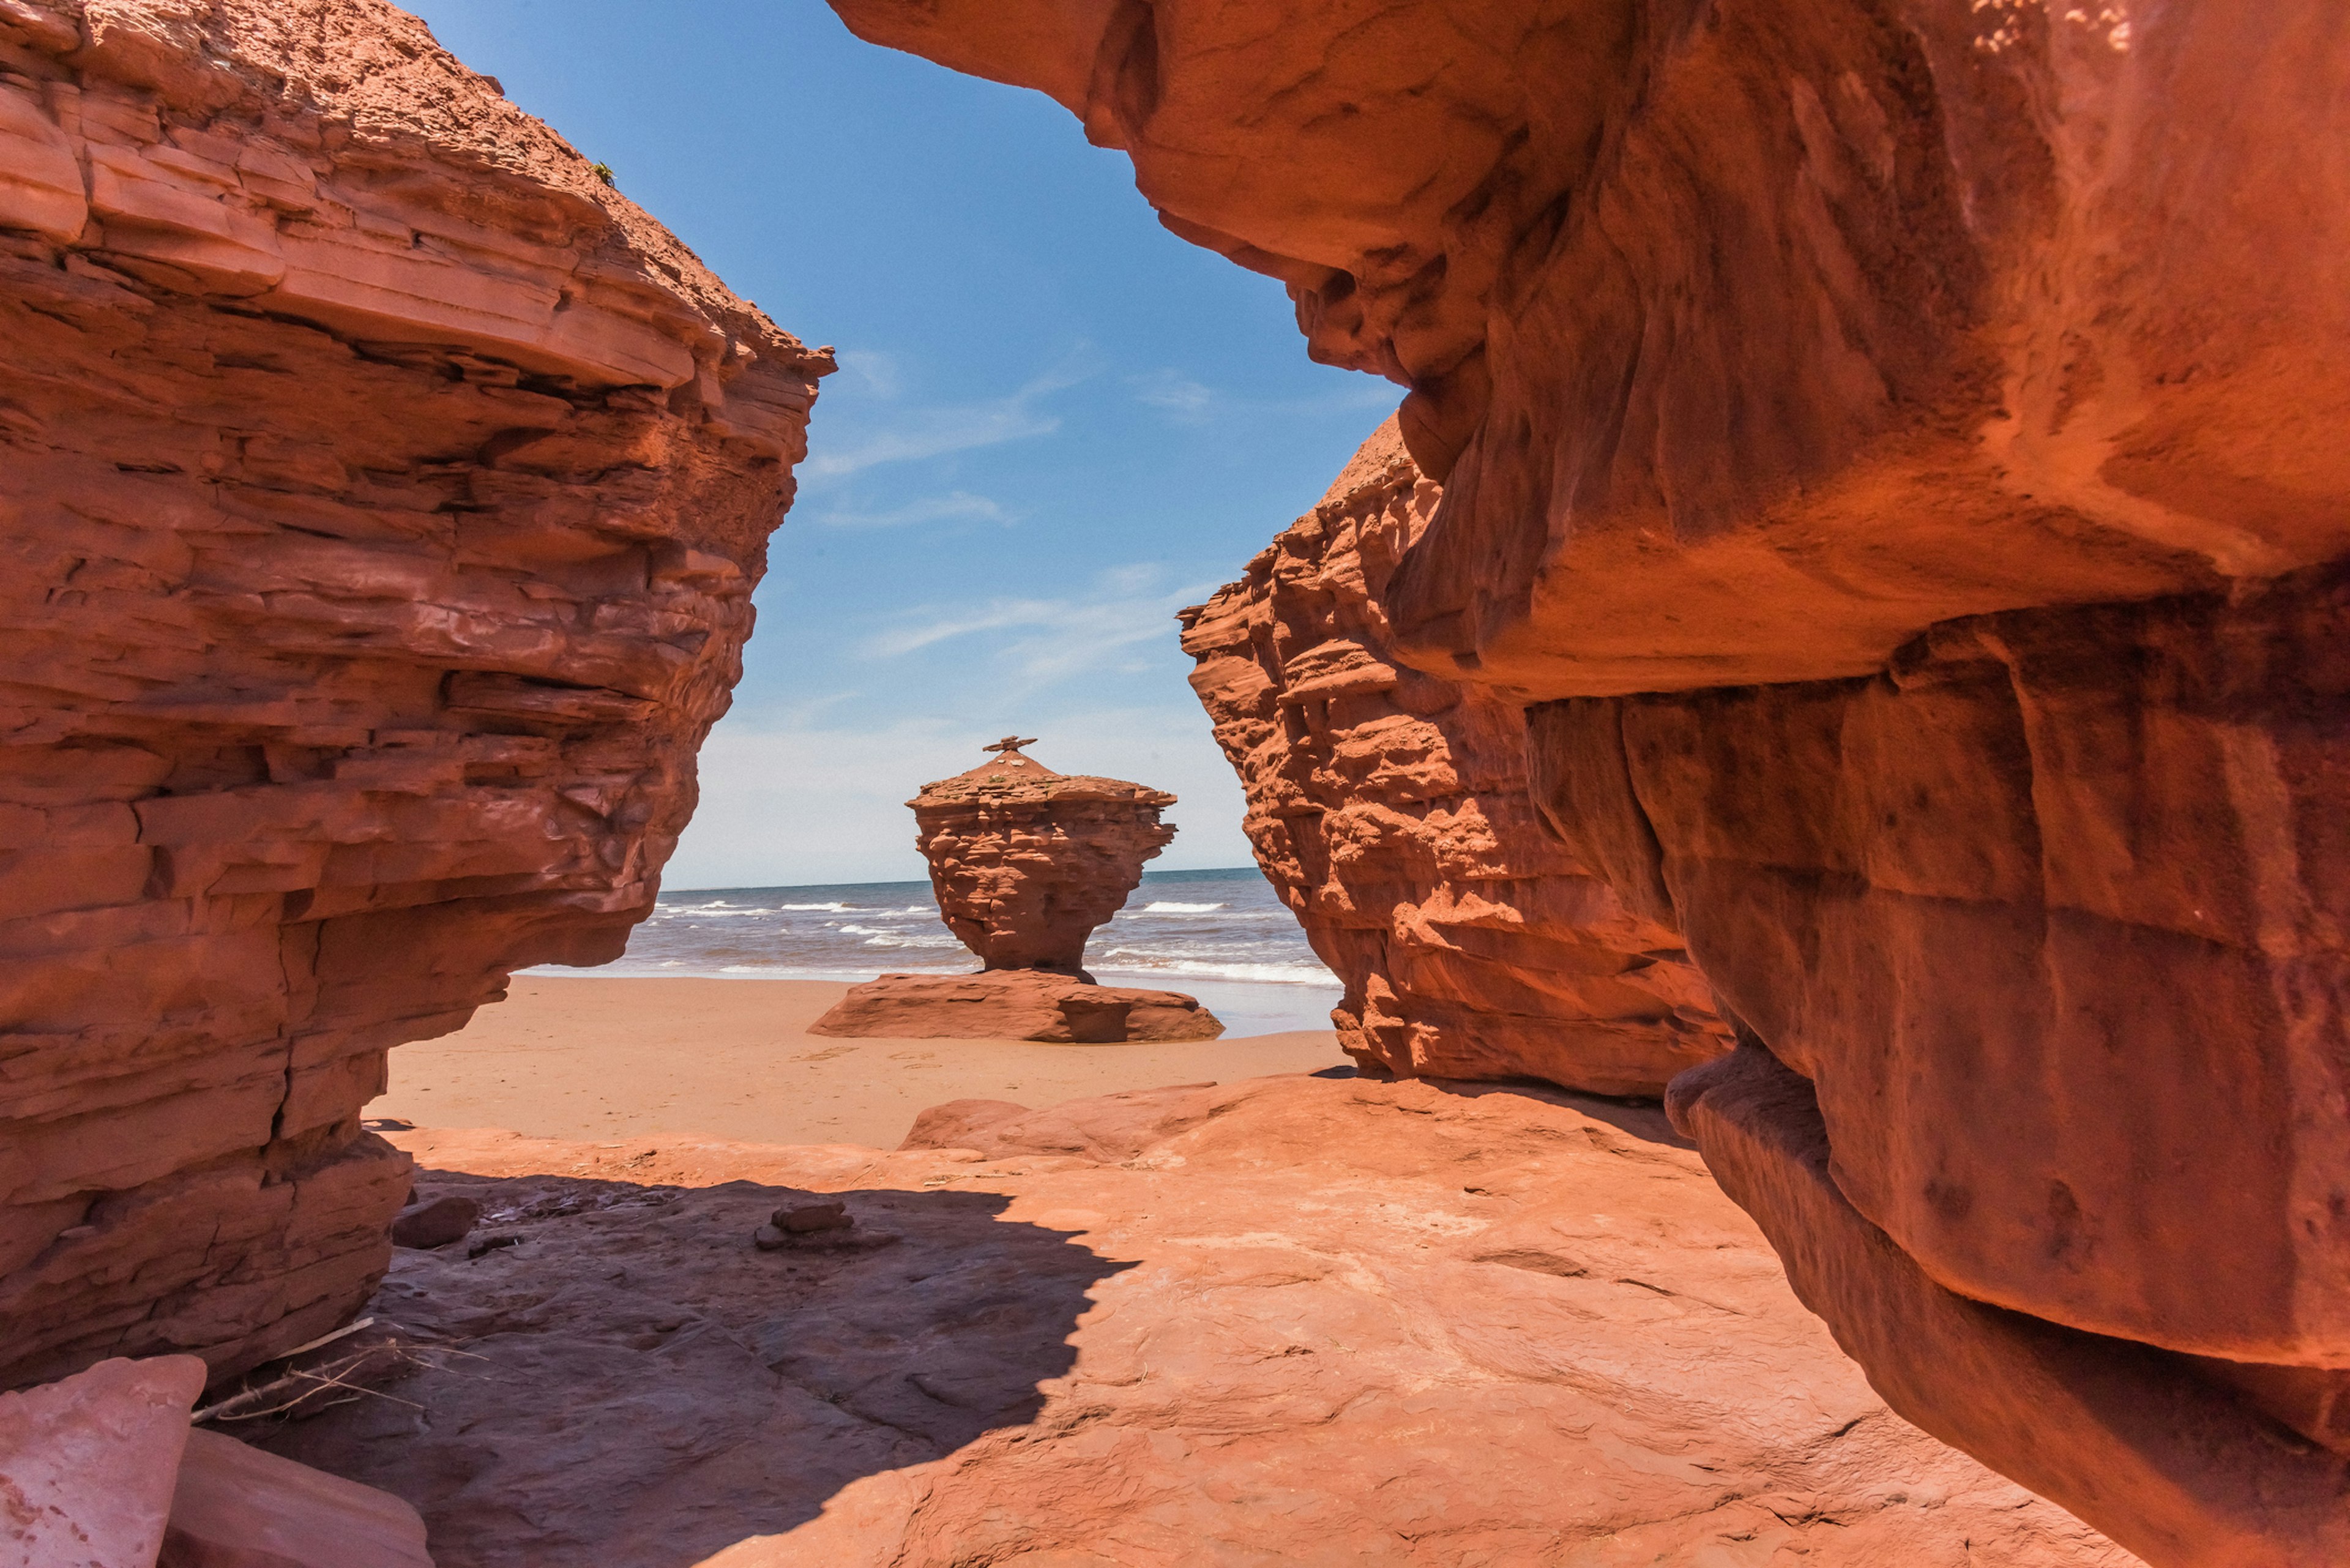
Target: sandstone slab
[
  {"x": 1295, "y": 1320},
  {"x": 1015, "y": 1004},
  {"x": 87, "y": 1463},
  {"x": 238, "y": 1507},
  {"x": 2053, "y": 916}
]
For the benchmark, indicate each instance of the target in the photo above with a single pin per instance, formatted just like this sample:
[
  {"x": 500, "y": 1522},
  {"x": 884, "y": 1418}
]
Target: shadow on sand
[{"x": 632, "y": 1384}]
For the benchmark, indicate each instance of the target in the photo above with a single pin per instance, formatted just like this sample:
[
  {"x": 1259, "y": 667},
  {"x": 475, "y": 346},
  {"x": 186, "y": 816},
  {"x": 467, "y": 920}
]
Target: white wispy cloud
[
  {"x": 1190, "y": 402},
  {"x": 901, "y": 433},
  {"x": 1052, "y": 639},
  {"x": 960, "y": 503},
  {"x": 1183, "y": 399}
]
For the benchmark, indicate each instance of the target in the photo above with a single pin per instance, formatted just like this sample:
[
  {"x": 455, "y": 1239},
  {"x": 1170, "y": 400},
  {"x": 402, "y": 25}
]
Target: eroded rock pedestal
[
  {"x": 1025, "y": 862},
  {"x": 383, "y": 495},
  {"x": 1893, "y": 451}
]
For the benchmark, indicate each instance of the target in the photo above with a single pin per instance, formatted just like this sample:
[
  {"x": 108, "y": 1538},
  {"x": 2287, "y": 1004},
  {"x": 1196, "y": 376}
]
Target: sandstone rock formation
[
  {"x": 1025, "y": 862},
  {"x": 1390, "y": 809},
  {"x": 1893, "y": 449},
  {"x": 383, "y": 496},
  {"x": 1292, "y": 1320},
  {"x": 1015, "y": 1004}
]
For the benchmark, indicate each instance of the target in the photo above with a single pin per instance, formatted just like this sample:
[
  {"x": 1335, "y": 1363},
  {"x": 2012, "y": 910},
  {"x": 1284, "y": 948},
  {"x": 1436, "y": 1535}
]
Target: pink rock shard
[
  {"x": 86, "y": 1464},
  {"x": 238, "y": 1507}
]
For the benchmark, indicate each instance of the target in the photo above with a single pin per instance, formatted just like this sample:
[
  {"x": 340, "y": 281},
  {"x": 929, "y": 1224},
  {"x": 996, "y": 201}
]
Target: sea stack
[{"x": 1026, "y": 862}]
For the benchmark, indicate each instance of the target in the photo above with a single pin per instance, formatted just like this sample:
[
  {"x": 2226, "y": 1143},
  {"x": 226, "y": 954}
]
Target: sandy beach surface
[{"x": 600, "y": 1058}]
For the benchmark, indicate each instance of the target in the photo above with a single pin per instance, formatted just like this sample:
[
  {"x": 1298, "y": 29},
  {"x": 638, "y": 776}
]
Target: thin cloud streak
[
  {"x": 960, "y": 503},
  {"x": 911, "y": 434},
  {"x": 1187, "y": 402},
  {"x": 1063, "y": 637}
]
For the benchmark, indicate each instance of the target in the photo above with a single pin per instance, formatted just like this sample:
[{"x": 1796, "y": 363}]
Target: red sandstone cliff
[
  {"x": 1390, "y": 809},
  {"x": 1893, "y": 450},
  {"x": 383, "y": 496}
]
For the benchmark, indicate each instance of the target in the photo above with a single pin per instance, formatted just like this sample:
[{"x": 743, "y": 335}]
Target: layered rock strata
[
  {"x": 1390, "y": 809},
  {"x": 383, "y": 496},
  {"x": 1025, "y": 862},
  {"x": 1015, "y": 1004},
  {"x": 1893, "y": 449}
]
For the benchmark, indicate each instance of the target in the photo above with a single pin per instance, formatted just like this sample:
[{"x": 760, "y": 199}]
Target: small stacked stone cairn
[{"x": 1026, "y": 862}]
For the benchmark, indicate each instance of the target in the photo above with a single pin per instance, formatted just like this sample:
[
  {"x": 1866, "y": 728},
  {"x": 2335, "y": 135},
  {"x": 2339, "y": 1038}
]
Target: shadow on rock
[{"x": 599, "y": 1347}]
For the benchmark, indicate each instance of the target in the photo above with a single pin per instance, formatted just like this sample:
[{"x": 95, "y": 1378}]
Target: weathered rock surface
[
  {"x": 1015, "y": 1004},
  {"x": 1748, "y": 344},
  {"x": 87, "y": 1463},
  {"x": 2202, "y": 1476},
  {"x": 237, "y": 1507},
  {"x": 1390, "y": 808},
  {"x": 1292, "y": 1319},
  {"x": 1027, "y": 862},
  {"x": 383, "y": 495},
  {"x": 1938, "y": 403}
]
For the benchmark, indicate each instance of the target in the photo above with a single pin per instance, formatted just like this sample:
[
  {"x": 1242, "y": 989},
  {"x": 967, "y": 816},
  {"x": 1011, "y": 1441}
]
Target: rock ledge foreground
[{"x": 1290, "y": 1320}]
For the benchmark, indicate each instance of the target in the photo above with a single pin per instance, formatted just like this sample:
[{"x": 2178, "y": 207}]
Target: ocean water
[{"x": 1223, "y": 936}]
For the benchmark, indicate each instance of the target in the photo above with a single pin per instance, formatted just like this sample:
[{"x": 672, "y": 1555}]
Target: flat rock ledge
[
  {"x": 1015, "y": 1004},
  {"x": 1282, "y": 1321}
]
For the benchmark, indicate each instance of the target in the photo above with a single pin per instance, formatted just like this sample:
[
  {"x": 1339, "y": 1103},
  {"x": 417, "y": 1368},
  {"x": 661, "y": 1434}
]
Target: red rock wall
[
  {"x": 1390, "y": 809},
  {"x": 1893, "y": 446},
  {"x": 382, "y": 497}
]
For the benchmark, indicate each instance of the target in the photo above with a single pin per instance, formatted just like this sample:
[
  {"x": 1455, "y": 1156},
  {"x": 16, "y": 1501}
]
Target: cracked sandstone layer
[
  {"x": 1892, "y": 448},
  {"x": 383, "y": 496},
  {"x": 1391, "y": 810}
]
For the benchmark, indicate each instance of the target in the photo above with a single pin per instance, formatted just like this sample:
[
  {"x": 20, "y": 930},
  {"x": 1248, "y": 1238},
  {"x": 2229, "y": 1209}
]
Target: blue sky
[{"x": 1054, "y": 425}]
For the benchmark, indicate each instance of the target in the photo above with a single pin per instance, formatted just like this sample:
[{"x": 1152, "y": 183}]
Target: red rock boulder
[{"x": 1025, "y": 862}]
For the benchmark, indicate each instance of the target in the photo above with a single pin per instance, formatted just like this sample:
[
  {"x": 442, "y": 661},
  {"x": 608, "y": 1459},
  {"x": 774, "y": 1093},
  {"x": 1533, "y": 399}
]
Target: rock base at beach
[{"x": 1015, "y": 1004}]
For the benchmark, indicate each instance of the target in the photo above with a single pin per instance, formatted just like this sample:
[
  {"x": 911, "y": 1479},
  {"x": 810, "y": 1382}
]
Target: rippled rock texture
[
  {"x": 1893, "y": 451},
  {"x": 383, "y": 495},
  {"x": 1390, "y": 808}
]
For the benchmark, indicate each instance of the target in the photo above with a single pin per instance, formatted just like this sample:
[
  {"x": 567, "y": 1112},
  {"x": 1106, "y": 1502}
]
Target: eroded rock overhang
[{"x": 1892, "y": 451}]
